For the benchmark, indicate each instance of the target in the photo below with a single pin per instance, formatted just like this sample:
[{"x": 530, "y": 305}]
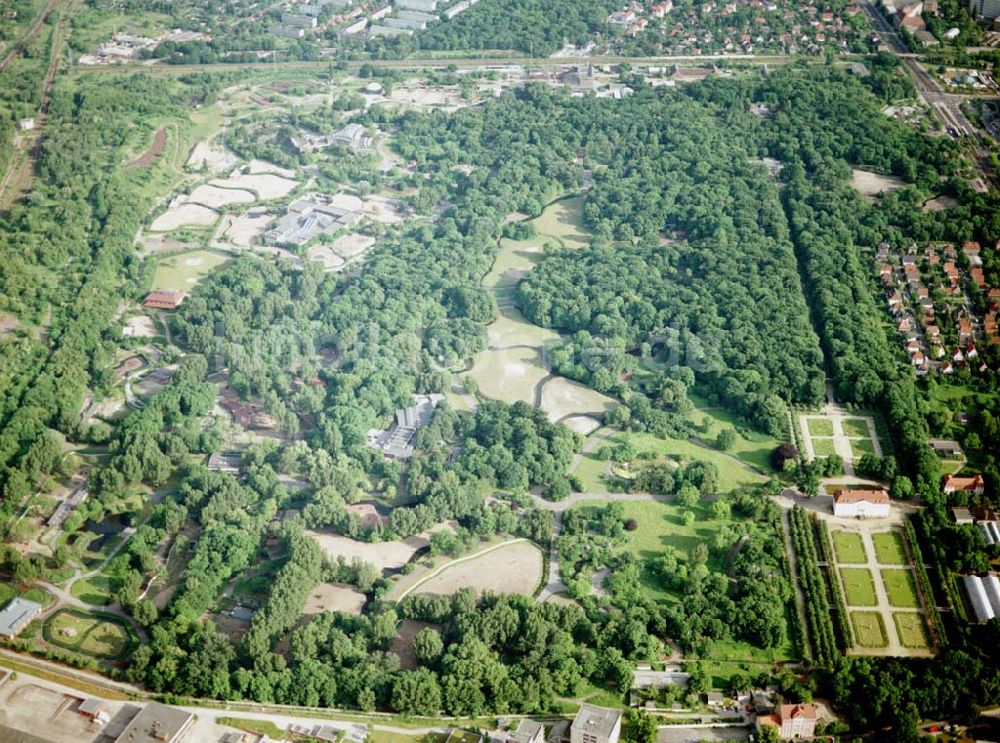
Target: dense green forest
[{"x": 705, "y": 275}]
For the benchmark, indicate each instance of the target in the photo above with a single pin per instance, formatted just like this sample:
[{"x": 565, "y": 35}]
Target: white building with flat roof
[
  {"x": 16, "y": 616},
  {"x": 596, "y": 725}
]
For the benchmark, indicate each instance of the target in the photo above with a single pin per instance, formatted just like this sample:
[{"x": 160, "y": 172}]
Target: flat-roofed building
[
  {"x": 156, "y": 723},
  {"x": 16, "y": 616},
  {"x": 596, "y": 725}
]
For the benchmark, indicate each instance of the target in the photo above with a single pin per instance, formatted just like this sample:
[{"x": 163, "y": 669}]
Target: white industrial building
[
  {"x": 990, "y": 531},
  {"x": 428, "y": 6},
  {"x": 984, "y": 595}
]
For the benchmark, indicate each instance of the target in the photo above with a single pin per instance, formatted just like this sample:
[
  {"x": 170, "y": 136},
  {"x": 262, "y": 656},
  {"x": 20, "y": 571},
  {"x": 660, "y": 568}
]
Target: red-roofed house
[
  {"x": 162, "y": 300},
  {"x": 861, "y": 504},
  {"x": 978, "y": 277},
  {"x": 953, "y": 484},
  {"x": 792, "y": 720}
]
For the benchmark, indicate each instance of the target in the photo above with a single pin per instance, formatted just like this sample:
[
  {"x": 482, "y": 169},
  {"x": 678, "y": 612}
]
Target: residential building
[
  {"x": 947, "y": 448},
  {"x": 16, "y": 616},
  {"x": 426, "y": 6},
  {"x": 294, "y": 20},
  {"x": 792, "y": 720},
  {"x": 164, "y": 300},
  {"x": 861, "y": 504},
  {"x": 596, "y": 725},
  {"x": 953, "y": 484},
  {"x": 528, "y": 731}
]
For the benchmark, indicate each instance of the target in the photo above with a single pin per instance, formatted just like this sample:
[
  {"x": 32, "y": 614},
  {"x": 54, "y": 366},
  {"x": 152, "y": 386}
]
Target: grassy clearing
[
  {"x": 7, "y": 592},
  {"x": 723, "y": 659},
  {"x": 92, "y": 690},
  {"x": 848, "y": 546},
  {"x": 752, "y": 447},
  {"x": 181, "y": 272},
  {"x": 901, "y": 588},
  {"x": 820, "y": 426},
  {"x": 869, "y": 631},
  {"x": 510, "y": 375},
  {"x": 856, "y": 427},
  {"x": 102, "y": 637},
  {"x": 731, "y": 474},
  {"x": 823, "y": 447},
  {"x": 889, "y": 548},
  {"x": 95, "y": 590},
  {"x": 859, "y": 587},
  {"x": 912, "y": 629},
  {"x": 860, "y": 447}
]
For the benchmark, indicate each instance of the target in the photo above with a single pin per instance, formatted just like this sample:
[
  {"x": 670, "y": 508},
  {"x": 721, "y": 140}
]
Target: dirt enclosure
[
  {"x": 335, "y": 597},
  {"x": 149, "y": 156}
]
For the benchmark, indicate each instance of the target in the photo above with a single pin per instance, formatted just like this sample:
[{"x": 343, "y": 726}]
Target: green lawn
[
  {"x": 859, "y": 588},
  {"x": 7, "y": 592},
  {"x": 860, "y": 447},
  {"x": 182, "y": 271},
  {"x": 752, "y": 447},
  {"x": 912, "y": 629},
  {"x": 869, "y": 631},
  {"x": 659, "y": 525},
  {"x": 723, "y": 659},
  {"x": 848, "y": 547},
  {"x": 823, "y": 447},
  {"x": 901, "y": 588},
  {"x": 889, "y": 549},
  {"x": 99, "y": 636},
  {"x": 38, "y": 595},
  {"x": 731, "y": 474},
  {"x": 95, "y": 590},
  {"x": 856, "y": 427},
  {"x": 819, "y": 426}
]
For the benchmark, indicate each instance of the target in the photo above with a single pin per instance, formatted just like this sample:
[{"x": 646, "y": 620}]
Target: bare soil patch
[
  {"x": 214, "y": 197},
  {"x": 870, "y": 184},
  {"x": 511, "y": 568},
  {"x": 149, "y": 156},
  {"x": 186, "y": 215},
  {"x": 244, "y": 229},
  {"x": 335, "y": 597},
  {"x": 212, "y": 158},
  {"x": 265, "y": 185},
  {"x": 403, "y": 644}
]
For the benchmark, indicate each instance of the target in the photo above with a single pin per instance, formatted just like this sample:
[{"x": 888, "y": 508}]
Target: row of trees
[{"x": 814, "y": 590}]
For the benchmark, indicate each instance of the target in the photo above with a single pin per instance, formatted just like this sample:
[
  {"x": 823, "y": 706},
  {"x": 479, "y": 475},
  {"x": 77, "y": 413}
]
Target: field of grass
[
  {"x": 889, "y": 548},
  {"x": 912, "y": 629},
  {"x": 859, "y": 587},
  {"x": 731, "y": 474},
  {"x": 823, "y": 447},
  {"x": 182, "y": 271},
  {"x": 7, "y": 592},
  {"x": 860, "y": 447},
  {"x": 869, "y": 631},
  {"x": 848, "y": 546},
  {"x": 99, "y": 636},
  {"x": 752, "y": 447},
  {"x": 722, "y": 659},
  {"x": 856, "y": 427},
  {"x": 39, "y": 596},
  {"x": 901, "y": 588},
  {"x": 820, "y": 426},
  {"x": 95, "y": 590}
]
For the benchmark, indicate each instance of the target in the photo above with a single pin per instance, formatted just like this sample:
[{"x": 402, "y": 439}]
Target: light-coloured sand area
[
  {"x": 265, "y": 185},
  {"x": 335, "y": 597},
  {"x": 215, "y": 197},
  {"x": 381, "y": 209},
  {"x": 186, "y": 215},
  {"x": 211, "y": 157},
  {"x": 140, "y": 326},
  {"x": 383, "y": 555},
  {"x": 347, "y": 202},
  {"x": 244, "y": 229},
  {"x": 8, "y": 323},
  {"x": 514, "y": 567},
  {"x": 351, "y": 245},
  {"x": 583, "y": 424},
  {"x": 562, "y": 397},
  {"x": 870, "y": 184},
  {"x": 510, "y": 374},
  {"x": 417, "y": 95},
  {"x": 511, "y": 329},
  {"x": 939, "y": 204},
  {"x": 257, "y": 167},
  {"x": 325, "y": 255}
]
